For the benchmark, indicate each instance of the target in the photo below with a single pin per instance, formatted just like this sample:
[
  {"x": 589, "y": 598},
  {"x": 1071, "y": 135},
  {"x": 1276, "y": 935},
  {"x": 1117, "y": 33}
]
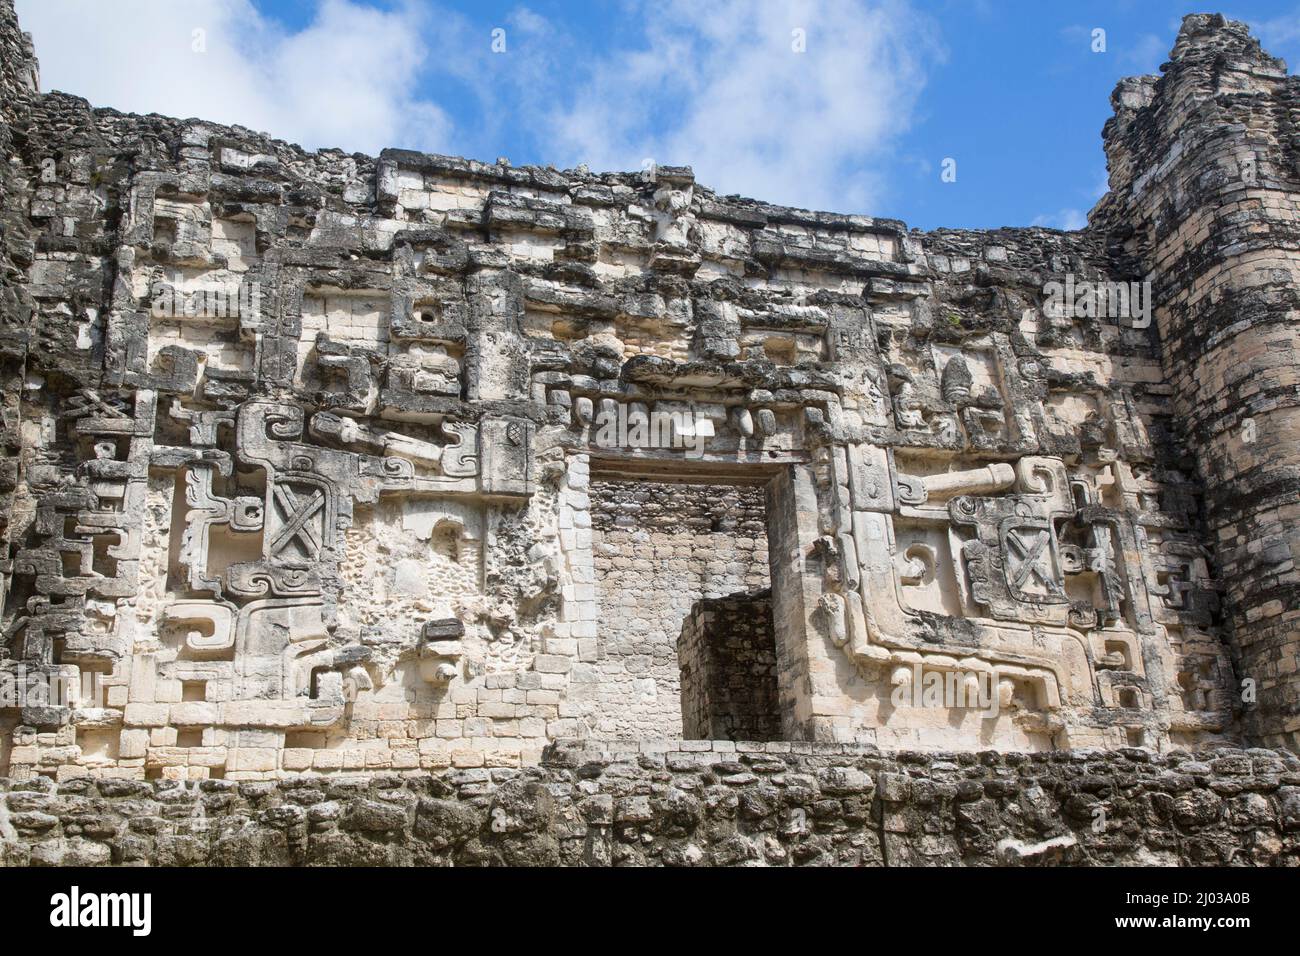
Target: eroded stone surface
[
  {"x": 327, "y": 463},
  {"x": 776, "y": 804}
]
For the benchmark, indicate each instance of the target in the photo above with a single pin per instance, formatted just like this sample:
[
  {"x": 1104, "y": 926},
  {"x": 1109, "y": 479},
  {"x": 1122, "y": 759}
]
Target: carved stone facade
[{"x": 318, "y": 460}]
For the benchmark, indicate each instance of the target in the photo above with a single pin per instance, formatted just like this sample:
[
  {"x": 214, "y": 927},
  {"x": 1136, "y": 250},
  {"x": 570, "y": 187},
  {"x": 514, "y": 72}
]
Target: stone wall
[
  {"x": 692, "y": 803},
  {"x": 1204, "y": 200},
  {"x": 19, "y": 81},
  {"x": 300, "y": 448},
  {"x": 727, "y": 652},
  {"x": 18, "y": 87}
]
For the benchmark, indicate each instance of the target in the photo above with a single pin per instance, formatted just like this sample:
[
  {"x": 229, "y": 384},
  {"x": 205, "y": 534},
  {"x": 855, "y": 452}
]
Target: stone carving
[
  {"x": 366, "y": 514},
  {"x": 441, "y": 649}
]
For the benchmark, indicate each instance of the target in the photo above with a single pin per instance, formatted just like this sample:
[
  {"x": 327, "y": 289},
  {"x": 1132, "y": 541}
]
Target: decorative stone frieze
[{"x": 323, "y": 463}]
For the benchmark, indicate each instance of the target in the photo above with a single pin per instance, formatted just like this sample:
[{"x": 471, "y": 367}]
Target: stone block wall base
[{"x": 691, "y": 803}]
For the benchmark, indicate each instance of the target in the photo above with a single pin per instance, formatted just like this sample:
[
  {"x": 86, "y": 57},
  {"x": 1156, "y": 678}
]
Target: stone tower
[
  {"x": 18, "y": 84},
  {"x": 1204, "y": 200}
]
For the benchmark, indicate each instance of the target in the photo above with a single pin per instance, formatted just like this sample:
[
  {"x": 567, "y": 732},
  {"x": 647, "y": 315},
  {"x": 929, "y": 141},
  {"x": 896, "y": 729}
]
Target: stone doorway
[
  {"x": 668, "y": 550},
  {"x": 727, "y": 653}
]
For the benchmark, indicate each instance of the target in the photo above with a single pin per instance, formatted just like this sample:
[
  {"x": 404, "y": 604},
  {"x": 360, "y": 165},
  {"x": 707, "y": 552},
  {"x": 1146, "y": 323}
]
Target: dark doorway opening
[{"x": 727, "y": 654}]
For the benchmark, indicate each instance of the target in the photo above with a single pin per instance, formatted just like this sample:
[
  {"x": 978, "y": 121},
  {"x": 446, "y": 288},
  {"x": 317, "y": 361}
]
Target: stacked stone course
[
  {"x": 727, "y": 651},
  {"x": 691, "y": 803}
]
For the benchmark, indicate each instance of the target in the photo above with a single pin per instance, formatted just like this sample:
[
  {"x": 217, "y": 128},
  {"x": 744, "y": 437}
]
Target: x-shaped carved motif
[
  {"x": 1028, "y": 545},
  {"x": 296, "y": 514}
]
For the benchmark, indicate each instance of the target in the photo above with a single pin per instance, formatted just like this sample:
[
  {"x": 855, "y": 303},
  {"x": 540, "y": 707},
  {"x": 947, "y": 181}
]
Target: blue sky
[{"x": 849, "y": 105}]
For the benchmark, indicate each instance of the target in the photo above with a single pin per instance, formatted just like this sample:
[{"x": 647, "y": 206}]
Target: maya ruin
[{"x": 318, "y": 465}]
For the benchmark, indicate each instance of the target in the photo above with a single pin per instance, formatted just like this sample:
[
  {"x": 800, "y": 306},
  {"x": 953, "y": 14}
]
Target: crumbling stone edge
[{"x": 692, "y": 803}]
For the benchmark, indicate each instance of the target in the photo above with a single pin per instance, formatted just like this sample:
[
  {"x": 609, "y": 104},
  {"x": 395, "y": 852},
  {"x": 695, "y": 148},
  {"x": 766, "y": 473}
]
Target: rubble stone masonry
[
  {"x": 691, "y": 803},
  {"x": 337, "y": 492},
  {"x": 729, "y": 671}
]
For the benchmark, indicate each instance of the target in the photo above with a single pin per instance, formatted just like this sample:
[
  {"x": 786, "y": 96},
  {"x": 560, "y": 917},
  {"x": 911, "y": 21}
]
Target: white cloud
[
  {"x": 529, "y": 23},
  {"x": 348, "y": 79},
  {"x": 1067, "y": 219},
  {"x": 1278, "y": 36},
  {"x": 716, "y": 86},
  {"x": 1277, "y": 31},
  {"x": 1101, "y": 185},
  {"x": 1146, "y": 53},
  {"x": 719, "y": 87}
]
